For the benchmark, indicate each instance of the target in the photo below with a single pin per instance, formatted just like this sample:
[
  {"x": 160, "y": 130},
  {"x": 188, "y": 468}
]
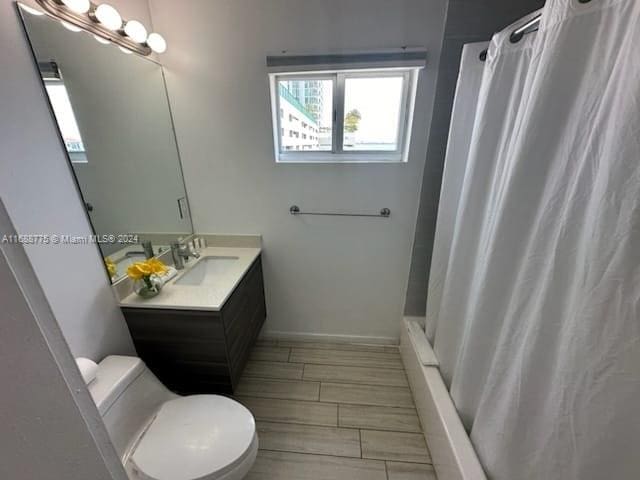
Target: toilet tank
[{"x": 128, "y": 396}]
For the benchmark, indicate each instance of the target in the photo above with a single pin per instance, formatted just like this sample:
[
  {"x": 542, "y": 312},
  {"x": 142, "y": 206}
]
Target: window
[
  {"x": 372, "y": 109},
  {"x": 354, "y": 115},
  {"x": 66, "y": 120}
]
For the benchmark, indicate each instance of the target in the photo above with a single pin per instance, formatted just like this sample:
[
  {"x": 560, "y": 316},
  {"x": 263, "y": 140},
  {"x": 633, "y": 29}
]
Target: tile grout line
[
  {"x": 337, "y": 426},
  {"x": 335, "y": 382},
  {"x": 300, "y": 424},
  {"x": 361, "y": 457},
  {"x": 373, "y": 367},
  {"x": 408, "y": 462},
  {"x": 329, "y": 402},
  {"x": 318, "y": 364},
  {"x": 325, "y": 401},
  {"x": 345, "y": 382},
  {"x": 332, "y": 456}
]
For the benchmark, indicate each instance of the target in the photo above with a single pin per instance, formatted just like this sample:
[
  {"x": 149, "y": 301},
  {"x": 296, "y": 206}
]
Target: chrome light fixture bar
[{"x": 126, "y": 34}]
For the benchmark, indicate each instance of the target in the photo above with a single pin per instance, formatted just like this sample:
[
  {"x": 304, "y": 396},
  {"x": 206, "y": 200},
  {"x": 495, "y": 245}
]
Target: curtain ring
[
  {"x": 516, "y": 37},
  {"x": 483, "y": 55},
  {"x": 584, "y": 1}
]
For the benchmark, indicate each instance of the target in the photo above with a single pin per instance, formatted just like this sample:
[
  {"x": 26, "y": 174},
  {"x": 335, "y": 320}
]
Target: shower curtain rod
[
  {"x": 530, "y": 26},
  {"x": 518, "y": 33}
]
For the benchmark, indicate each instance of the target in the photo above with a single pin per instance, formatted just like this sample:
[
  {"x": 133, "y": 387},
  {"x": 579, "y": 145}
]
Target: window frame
[{"x": 337, "y": 154}]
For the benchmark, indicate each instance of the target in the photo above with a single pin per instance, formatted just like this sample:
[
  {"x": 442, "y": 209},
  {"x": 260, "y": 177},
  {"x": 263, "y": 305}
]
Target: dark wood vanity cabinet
[{"x": 196, "y": 351}]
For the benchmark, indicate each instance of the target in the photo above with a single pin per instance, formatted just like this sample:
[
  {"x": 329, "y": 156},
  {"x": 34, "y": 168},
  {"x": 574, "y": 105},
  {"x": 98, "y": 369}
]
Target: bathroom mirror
[{"x": 113, "y": 115}]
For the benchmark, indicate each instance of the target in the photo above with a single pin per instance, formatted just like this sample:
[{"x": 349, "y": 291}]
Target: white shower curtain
[
  {"x": 463, "y": 115},
  {"x": 537, "y": 325}
]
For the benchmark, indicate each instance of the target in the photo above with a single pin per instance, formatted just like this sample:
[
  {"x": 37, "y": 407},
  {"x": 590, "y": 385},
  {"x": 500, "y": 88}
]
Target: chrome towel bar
[{"x": 385, "y": 213}]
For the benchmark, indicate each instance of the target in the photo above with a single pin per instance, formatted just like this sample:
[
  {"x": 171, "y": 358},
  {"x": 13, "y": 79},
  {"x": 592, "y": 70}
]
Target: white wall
[
  {"x": 39, "y": 193},
  {"x": 328, "y": 275},
  {"x": 51, "y": 428}
]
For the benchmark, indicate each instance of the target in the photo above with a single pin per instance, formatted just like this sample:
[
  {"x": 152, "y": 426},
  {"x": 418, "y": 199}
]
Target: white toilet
[{"x": 162, "y": 436}]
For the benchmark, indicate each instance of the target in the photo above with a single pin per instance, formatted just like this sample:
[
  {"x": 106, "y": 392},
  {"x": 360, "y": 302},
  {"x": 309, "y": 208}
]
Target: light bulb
[
  {"x": 108, "y": 17},
  {"x": 135, "y": 31},
  {"x": 78, "y": 6},
  {"x": 157, "y": 43},
  {"x": 126, "y": 50},
  {"x": 104, "y": 41},
  {"x": 70, "y": 27},
  {"x": 31, "y": 10}
]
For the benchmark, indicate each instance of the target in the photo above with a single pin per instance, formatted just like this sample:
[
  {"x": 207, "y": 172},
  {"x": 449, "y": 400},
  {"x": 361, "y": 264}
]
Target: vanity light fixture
[
  {"x": 107, "y": 16},
  {"x": 104, "y": 22},
  {"x": 135, "y": 31},
  {"x": 126, "y": 51},
  {"x": 157, "y": 43},
  {"x": 77, "y": 6}
]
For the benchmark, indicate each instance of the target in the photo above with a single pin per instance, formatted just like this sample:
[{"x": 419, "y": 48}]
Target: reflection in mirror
[{"x": 113, "y": 115}]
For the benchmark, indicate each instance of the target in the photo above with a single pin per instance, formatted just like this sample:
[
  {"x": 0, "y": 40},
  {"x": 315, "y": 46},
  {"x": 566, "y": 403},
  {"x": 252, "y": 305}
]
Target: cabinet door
[
  {"x": 186, "y": 350},
  {"x": 243, "y": 319}
]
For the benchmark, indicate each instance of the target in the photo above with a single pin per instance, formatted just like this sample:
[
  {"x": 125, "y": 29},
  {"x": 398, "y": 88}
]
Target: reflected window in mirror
[{"x": 63, "y": 111}]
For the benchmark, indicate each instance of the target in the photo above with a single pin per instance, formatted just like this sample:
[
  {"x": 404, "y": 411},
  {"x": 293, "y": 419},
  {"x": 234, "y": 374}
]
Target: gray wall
[
  {"x": 323, "y": 275},
  {"x": 51, "y": 428},
  {"x": 38, "y": 190},
  {"x": 467, "y": 21}
]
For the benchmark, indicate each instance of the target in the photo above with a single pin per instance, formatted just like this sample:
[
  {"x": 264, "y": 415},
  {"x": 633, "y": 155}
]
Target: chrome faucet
[
  {"x": 147, "y": 247},
  {"x": 181, "y": 254}
]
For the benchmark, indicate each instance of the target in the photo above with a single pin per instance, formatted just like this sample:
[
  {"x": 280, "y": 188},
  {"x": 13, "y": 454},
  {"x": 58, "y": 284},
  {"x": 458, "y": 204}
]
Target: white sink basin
[{"x": 207, "y": 271}]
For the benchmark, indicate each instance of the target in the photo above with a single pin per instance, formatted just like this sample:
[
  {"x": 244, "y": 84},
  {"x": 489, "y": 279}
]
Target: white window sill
[{"x": 306, "y": 158}]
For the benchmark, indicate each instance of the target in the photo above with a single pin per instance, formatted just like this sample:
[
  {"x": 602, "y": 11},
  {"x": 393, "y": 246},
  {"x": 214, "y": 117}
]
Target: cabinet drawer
[
  {"x": 167, "y": 325},
  {"x": 178, "y": 350}
]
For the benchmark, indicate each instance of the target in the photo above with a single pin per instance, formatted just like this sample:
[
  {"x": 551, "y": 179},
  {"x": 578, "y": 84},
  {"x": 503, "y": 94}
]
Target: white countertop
[{"x": 200, "y": 297}]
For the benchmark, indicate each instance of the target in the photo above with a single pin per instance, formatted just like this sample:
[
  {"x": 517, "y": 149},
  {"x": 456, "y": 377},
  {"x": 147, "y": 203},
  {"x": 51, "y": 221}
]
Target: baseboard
[
  {"x": 451, "y": 450},
  {"x": 326, "y": 338}
]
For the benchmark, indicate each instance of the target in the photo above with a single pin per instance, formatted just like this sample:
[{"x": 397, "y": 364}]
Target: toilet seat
[{"x": 199, "y": 437}]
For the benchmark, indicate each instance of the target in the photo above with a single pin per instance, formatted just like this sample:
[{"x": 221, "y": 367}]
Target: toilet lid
[{"x": 193, "y": 437}]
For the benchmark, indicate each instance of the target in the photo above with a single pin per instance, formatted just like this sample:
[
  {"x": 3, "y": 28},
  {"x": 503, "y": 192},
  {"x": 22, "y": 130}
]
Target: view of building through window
[
  {"x": 305, "y": 114},
  {"x": 66, "y": 119}
]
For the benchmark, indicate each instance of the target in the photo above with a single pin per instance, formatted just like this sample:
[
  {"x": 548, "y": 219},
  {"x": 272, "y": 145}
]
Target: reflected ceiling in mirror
[{"x": 113, "y": 115}]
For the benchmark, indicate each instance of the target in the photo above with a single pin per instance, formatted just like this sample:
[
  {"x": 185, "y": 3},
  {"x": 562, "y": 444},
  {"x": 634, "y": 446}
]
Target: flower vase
[{"x": 147, "y": 287}]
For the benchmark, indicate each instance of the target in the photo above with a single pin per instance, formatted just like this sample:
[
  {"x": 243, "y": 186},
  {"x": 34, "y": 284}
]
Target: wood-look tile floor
[{"x": 333, "y": 412}]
